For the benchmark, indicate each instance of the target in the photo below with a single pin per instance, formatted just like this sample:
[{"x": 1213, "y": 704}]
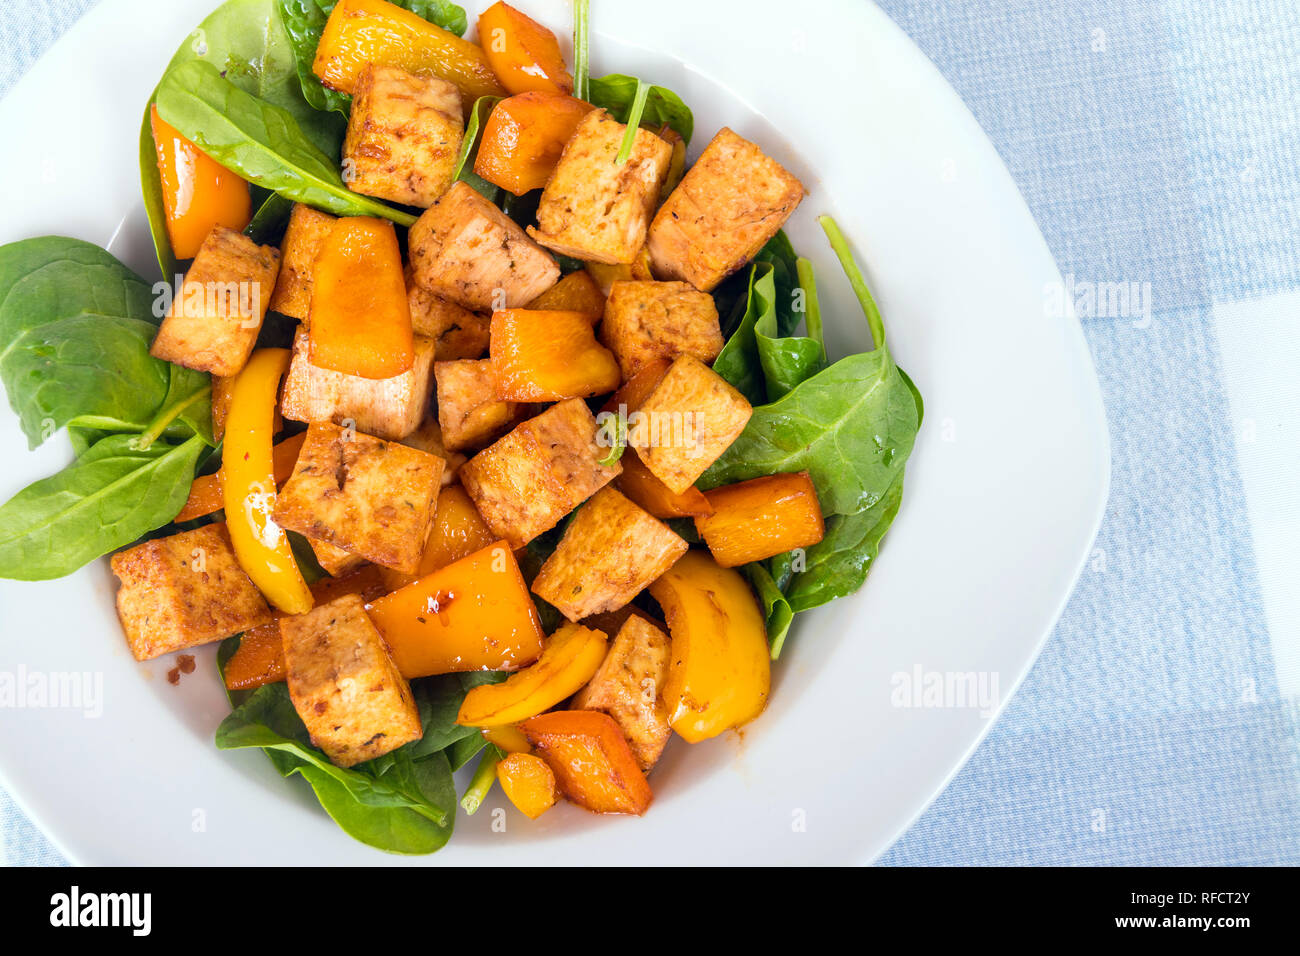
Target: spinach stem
[
  {"x": 485, "y": 774},
  {"x": 617, "y": 439},
  {"x": 633, "y": 121},
  {"x": 147, "y": 437},
  {"x": 845, "y": 255},
  {"x": 812, "y": 307},
  {"x": 581, "y": 40}
]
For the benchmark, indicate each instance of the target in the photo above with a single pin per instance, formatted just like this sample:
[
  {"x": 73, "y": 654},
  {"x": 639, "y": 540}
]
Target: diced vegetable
[
  {"x": 528, "y": 783},
  {"x": 509, "y": 738},
  {"x": 524, "y": 137},
  {"x": 205, "y": 493},
  {"x": 198, "y": 192},
  {"x": 572, "y": 654},
  {"x": 576, "y": 292},
  {"x": 720, "y": 673},
  {"x": 549, "y": 356},
  {"x": 523, "y": 54},
  {"x": 474, "y": 614},
  {"x": 360, "y": 320},
  {"x": 375, "y": 31},
  {"x": 248, "y": 484},
  {"x": 591, "y": 760},
  {"x": 606, "y": 275},
  {"x": 458, "y": 531},
  {"x": 654, "y": 496},
  {"x": 760, "y": 518}
]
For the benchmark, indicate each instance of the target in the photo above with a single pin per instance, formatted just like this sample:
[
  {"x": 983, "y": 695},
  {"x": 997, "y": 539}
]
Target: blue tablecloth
[{"x": 1156, "y": 142}]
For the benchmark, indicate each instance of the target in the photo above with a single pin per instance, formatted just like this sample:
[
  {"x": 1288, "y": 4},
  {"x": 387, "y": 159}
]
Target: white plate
[{"x": 1005, "y": 489}]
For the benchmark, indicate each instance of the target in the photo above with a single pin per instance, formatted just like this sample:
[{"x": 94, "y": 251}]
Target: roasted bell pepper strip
[
  {"x": 198, "y": 192},
  {"x": 248, "y": 484},
  {"x": 523, "y": 54}
]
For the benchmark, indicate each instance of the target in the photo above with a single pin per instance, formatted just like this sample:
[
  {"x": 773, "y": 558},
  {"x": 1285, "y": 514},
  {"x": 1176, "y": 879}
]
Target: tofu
[
  {"x": 466, "y": 249},
  {"x": 611, "y": 551},
  {"x": 457, "y": 332},
  {"x": 469, "y": 411},
  {"x": 213, "y": 324},
  {"x": 389, "y": 408},
  {"x": 302, "y": 241},
  {"x": 370, "y": 497},
  {"x": 344, "y": 684},
  {"x": 404, "y": 135},
  {"x": 645, "y": 321},
  {"x": 334, "y": 561},
  {"x": 629, "y": 687},
  {"x": 690, "y": 418},
  {"x": 593, "y": 208},
  {"x": 184, "y": 590},
  {"x": 725, "y": 209},
  {"x": 524, "y": 483},
  {"x": 428, "y": 437}
]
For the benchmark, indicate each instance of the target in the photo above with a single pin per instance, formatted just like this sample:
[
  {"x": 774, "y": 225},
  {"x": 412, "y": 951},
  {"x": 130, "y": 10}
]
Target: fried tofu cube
[
  {"x": 213, "y": 323},
  {"x": 302, "y": 240},
  {"x": 428, "y": 437},
  {"x": 645, "y": 321},
  {"x": 370, "y": 497},
  {"x": 524, "y": 483},
  {"x": 730, "y": 203},
  {"x": 611, "y": 551},
  {"x": 344, "y": 684},
  {"x": 184, "y": 590},
  {"x": 469, "y": 411},
  {"x": 386, "y": 407},
  {"x": 457, "y": 332},
  {"x": 629, "y": 687},
  {"x": 690, "y": 418},
  {"x": 404, "y": 135},
  {"x": 593, "y": 208},
  {"x": 466, "y": 249},
  {"x": 334, "y": 561}
]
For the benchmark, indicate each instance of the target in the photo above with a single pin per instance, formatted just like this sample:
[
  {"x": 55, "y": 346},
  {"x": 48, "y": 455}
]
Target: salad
[{"x": 473, "y": 420}]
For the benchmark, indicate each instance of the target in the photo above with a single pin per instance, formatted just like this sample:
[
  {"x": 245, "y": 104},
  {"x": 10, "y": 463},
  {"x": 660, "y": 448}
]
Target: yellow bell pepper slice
[
  {"x": 248, "y": 484},
  {"x": 569, "y": 659}
]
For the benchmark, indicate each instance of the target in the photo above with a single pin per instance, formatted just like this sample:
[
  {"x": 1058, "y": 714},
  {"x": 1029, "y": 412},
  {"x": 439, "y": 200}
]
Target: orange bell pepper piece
[
  {"x": 523, "y": 54},
  {"x": 756, "y": 519},
  {"x": 248, "y": 484},
  {"x": 458, "y": 531},
  {"x": 576, "y": 292},
  {"x": 569, "y": 659},
  {"x": 720, "y": 672},
  {"x": 641, "y": 486},
  {"x": 528, "y": 783},
  {"x": 509, "y": 738},
  {"x": 360, "y": 318},
  {"x": 198, "y": 192},
  {"x": 548, "y": 357},
  {"x": 375, "y": 31},
  {"x": 633, "y": 393},
  {"x": 206, "y": 495},
  {"x": 474, "y": 614},
  {"x": 524, "y": 137},
  {"x": 591, "y": 760}
]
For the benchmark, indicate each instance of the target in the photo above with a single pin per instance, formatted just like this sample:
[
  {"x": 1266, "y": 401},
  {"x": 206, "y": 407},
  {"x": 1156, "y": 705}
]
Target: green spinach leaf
[
  {"x": 260, "y": 141},
  {"x": 777, "y": 612},
  {"x": 617, "y": 93},
  {"x": 469, "y": 148},
  {"x": 107, "y": 498}
]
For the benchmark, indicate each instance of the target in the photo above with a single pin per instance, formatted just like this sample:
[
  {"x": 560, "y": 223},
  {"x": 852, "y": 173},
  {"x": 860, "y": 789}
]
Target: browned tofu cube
[
  {"x": 593, "y": 208},
  {"x": 629, "y": 687},
  {"x": 387, "y": 407},
  {"x": 690, "y": 418},
  {"x": 403, "y": 137},
  {"x": 645, "y": 321},
  {"x": 184, "y": 590},
  {"x": 469, "y": 411},
  {"x": 466, "y": 249},
  {"x": 334, "y": 561},
  {"x": 726, "y": 208},
  {"x": 527, "y": 481},
  {"x": 370, "y": 497},
  {"x": 344, "y": 684},
  {"x": 213, "y": 324},
  {"x": 611, "y": 551},
  {"x": 428, "y": 437},
  {"x": 457, "y": 332},
  {"x": 302, "y": 240}
]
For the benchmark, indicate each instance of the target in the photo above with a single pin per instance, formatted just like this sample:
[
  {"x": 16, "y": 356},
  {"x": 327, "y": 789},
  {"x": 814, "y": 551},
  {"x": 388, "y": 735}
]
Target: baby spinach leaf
[
  {"x": 107, "y": 498},
  {"x": 777, "y": 612},
  {"x": 260, "y": 141},
  {"x": 469, "y": 148},
  {"x": 617, "y": 93},
  {"x": 304, "y": 22},
  {"x": 270, "y": 220}
]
